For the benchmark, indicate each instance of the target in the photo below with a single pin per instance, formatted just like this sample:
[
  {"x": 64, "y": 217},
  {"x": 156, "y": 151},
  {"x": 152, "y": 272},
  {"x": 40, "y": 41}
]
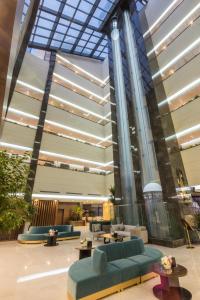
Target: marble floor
[{"x": 36, "y": 272}]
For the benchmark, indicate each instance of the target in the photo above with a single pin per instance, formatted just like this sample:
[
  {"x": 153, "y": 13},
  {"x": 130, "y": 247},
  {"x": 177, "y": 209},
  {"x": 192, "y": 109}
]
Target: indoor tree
[
  {"x": 77, "y": 213},
  {"x": 14, "y": 209}
]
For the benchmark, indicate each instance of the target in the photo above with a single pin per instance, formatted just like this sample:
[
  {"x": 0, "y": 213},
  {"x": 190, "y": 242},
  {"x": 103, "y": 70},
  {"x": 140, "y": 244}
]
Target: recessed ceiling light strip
[
  {"x": 193, "y": 142},
  {"x": 84, "y": 71},
  {"x": 18, "y": 112},
  {"x": 81, "y": 197},
  {"x": 183, "y": 132},
  {"x": 18, "y": 147},
  {"x": 76, "y": 130},
  {"x": 175, "y": 28},
  {"x": 182, "y": 91},
  {"x": 160, "y": 18},
  {"x": 81, "y": 88},
  {"x": 31, "y": 87},
  {"x": 178, "y": 57}
]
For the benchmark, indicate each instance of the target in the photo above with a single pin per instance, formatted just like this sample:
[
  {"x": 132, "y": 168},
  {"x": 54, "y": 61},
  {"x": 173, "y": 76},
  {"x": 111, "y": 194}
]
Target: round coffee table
[
  {"x": 169, "y": 289},
  {"x": 108, "y": 237},
  {"x": 84, "y": 251}
]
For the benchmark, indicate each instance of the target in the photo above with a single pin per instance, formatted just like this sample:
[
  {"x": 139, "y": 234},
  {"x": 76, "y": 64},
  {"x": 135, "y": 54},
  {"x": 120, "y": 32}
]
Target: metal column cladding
[
  {"x": 129, "y": 206},
  {"x": 40, "y": 127},
  {"x": 149, "y": 167}
]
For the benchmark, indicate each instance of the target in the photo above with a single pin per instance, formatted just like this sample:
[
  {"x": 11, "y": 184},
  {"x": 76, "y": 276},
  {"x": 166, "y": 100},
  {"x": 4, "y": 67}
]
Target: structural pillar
[
  {"x": 129, "y": 208},
  {"x": 148, "y": 161},
  {"x": 40, "y": 129}
]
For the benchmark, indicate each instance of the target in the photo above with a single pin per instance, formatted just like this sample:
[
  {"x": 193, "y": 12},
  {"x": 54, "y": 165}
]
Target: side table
[
  {"x": 84, "y": 251},
  {"x": 51, "y": 241},
  {"x": 170, "y": 289}
]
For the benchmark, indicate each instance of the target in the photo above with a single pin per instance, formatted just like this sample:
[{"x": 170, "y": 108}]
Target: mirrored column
[
  {"x": 129, "y": 206},
  {"x": 148, "y": 161}
]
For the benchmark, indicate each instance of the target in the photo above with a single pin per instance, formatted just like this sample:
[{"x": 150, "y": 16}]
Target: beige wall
[
  {"x": 188, "y": 115},
  {"x": 34, "y": 72}
]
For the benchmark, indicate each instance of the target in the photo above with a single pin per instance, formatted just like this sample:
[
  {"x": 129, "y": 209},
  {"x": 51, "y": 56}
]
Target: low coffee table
[
  {"x": 84, "y": 251},
  {"x": 169, "y": 289},
  {"x": 108, "y": 237}
]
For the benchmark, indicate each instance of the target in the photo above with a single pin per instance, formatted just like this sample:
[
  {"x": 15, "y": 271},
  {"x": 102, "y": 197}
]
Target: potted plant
[
  {"x": 14, "y": 209},
  {"x": 76, "y": 216}
]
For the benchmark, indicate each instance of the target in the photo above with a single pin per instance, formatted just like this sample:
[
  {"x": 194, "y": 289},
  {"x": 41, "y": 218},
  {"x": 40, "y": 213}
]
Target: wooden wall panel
[{"x": 46, "y": 212}]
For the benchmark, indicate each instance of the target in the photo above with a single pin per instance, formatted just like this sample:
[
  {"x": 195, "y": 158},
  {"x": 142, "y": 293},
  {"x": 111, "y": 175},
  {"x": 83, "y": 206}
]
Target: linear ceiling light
[
  {"x": 174, "y": 29},
  {"x": 72, "y": 158},
  {"x": 82, "y": 70},
  {"x": 183, "y": 132},
  {"x": 78, "y": 107},
  {"x": 13, "y": 146},
  {"x": 76, "y": 130},
  {"x": 30, "y": 86},
  {"x": 105, "y": 139},
  {"x": 190, "y": 143},
  {"x": 61, "y": 100},
  {"x": 180, "y": 92},
  {"x": 160, "y": 18},
  {"x": 22, "y": 113},
  {"x": 179, "y": 56},
  {"x": 20, "y": 123},
  {"x": 18, "y": 147},
  {"x": 18, "y": 112},
  {"x": 80, "y": 87},
  {"x": 84, "y": 197}
]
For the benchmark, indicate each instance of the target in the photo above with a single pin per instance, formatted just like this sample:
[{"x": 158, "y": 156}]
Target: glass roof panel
[{"x": 72, "y": 26}]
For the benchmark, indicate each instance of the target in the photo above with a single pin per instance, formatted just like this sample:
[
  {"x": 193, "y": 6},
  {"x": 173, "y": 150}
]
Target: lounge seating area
[
  {"x": 112, "y": 268},
  {"x": 39, "y": 234},
  {"x": 99, "y": 228},
  {"x": 130, "y": 230}
]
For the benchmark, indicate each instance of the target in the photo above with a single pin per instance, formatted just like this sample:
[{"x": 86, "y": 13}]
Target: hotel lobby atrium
[{"x": 99, "y": 149}]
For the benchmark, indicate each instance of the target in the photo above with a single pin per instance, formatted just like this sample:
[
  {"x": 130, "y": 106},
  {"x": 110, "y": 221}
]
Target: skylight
[{"x": 72, "y": 26}]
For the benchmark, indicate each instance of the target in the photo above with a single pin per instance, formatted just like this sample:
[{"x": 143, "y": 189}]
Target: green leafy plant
[
  {"x": 77, "y": 213},
  {"x": 14, "y": 210}
]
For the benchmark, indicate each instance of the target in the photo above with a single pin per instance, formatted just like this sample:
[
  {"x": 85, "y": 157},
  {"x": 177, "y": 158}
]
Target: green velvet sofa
[
  {"x": 39, "y": 234},
  {"x": 112, "y": 268}
]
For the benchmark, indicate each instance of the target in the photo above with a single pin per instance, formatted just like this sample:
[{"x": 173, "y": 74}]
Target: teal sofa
[
  {"x": 39, "y": 234},
  {"x": 112, "y": 268}
]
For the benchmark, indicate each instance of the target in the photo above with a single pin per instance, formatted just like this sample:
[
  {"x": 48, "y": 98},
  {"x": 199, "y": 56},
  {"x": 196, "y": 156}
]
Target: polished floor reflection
[{"x": 36, "y": 272}]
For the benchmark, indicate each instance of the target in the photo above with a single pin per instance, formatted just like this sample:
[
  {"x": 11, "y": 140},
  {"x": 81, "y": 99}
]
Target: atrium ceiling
[{"x": 73, "y": 26}]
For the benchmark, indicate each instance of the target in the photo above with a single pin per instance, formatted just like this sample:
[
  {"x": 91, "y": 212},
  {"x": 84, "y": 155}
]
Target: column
[
  {"x": 129, "y": 206},
  {"x": 40, "y": 128},
  {"x": 148, "y": 162}
]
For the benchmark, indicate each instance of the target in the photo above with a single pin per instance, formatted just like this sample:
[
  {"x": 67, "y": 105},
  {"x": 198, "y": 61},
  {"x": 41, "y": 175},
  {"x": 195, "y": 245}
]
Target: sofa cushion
[
  {"x": 96, "y": 227},
  {"x": 123, "y": 233},
  {"x": 133, "y": 247},
  {"x": 144, "y": 262},
  {"x": 128, "y": 268},
  {"x": 113, "y": 251},
  {"x": 32, "y": 237},
  {"x": 62, "y": 228},
  {"x": 99, "y": 261},
  {"x": 155, "y": 254},
  {"x": 117, "y": 227},
  {"x": 68, "y": 234},
  {"x": 83, "y": 280},
  {"x": 106, "y": 228},
  {"x": 39, "y": 229},
  {"x": 129, "y": 227}
]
